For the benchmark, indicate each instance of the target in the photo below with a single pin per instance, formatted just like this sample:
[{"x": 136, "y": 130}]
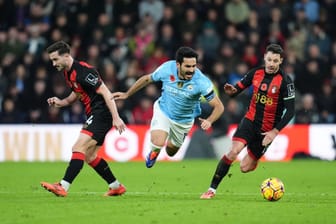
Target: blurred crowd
[{"x": 125, "y": 39}]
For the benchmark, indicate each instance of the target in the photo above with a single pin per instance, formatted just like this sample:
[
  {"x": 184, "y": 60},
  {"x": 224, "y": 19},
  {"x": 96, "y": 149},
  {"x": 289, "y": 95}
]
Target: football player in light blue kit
[{"x": 183, "y": 85}]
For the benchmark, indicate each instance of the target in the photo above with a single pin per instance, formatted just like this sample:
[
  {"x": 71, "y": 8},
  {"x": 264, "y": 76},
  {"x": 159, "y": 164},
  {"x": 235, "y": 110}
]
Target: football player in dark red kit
[
  {"x": 101, "y": 111},
  {"x": 271, "y": 109}
]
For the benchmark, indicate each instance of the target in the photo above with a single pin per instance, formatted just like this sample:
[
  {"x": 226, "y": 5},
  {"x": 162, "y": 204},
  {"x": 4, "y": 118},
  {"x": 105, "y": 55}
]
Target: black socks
[
  {"x": 102, "y": 168},
  {"x": 75, "y": 165},
  {"x": 221, "y": 171}
]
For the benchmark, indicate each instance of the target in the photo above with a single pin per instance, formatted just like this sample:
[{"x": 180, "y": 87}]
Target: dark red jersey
[
  {"x": 272, "y": 101},
  {"x": 84, "y": 80}
]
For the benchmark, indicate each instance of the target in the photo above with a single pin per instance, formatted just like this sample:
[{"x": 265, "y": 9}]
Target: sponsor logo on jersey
[{"x": 174, "y": 91}]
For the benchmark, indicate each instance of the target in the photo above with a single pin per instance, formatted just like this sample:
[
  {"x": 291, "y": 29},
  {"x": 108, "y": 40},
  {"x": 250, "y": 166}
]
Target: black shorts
[
  {"x": 251, "y": 137},
  {"x": 97, "y": 125}
]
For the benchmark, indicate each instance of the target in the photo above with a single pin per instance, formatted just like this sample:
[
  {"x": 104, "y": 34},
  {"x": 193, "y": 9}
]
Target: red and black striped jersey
[
  {"x": 273, "y": 98},
  {"x": 84, "y": 80}
]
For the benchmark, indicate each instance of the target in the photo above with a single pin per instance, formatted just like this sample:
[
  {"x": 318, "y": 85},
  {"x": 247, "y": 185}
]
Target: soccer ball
[{"x": 272, "y": 189}]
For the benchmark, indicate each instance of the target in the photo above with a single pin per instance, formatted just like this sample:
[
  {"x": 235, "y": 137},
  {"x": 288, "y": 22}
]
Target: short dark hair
[
  {"x": 275, "y": 48},
  {"x": 185, "y": 52},
  {"x": 60, "y": 46}
]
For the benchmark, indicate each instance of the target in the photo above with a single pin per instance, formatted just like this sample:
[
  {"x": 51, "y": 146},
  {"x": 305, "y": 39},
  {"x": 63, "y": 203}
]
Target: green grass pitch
[{"x": 169, "y": 193}]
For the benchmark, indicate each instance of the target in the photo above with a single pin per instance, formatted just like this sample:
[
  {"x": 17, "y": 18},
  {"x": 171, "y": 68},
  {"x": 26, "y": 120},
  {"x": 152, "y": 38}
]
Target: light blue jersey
[{"x": 180, "y": 99}]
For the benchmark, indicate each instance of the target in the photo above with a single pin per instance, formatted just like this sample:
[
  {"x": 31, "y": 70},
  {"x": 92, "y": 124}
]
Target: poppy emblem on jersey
[
  {"x": 263, "y": 87},
  {"x": 91, "y": 79},
  {"x": 274, "y": 89},
  {"x": 172, "y": 78}
]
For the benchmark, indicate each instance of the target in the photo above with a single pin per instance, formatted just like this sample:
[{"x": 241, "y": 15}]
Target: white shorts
[{"x": 176, "y": 131}]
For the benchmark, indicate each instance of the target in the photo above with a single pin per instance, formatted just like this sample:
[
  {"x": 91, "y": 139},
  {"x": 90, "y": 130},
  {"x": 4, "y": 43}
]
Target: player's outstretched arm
[
  {"x": 56, "y": 102},
  {"x": 229, "y": 89},
  {"x": 119, "y": 96},
  {"x": 139, "y": 84}
]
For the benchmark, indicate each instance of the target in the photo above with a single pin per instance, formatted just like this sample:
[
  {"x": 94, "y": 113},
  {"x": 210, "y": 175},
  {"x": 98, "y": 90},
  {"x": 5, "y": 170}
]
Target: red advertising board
[{"x": 132, "y": 144}]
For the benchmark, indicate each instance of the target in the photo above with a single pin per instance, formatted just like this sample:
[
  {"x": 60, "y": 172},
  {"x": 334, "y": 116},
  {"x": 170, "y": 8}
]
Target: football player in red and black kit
[
  {"x": 101, "y": 111},
  {"x": 271, "y": 109}
]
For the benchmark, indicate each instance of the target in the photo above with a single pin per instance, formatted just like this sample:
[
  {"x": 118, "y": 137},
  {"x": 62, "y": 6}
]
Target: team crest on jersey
[
  {"x": 91, "y": 79},
  {"x": 263, "y": 87},
  {"x": 190, "y": 87},
  {"x": 172, "y": 78},
  {"x": 274, "y": 89}
]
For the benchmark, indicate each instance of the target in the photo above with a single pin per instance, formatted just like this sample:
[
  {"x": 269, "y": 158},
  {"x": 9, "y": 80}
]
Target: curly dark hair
[{"x": 185, "y": 52}]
